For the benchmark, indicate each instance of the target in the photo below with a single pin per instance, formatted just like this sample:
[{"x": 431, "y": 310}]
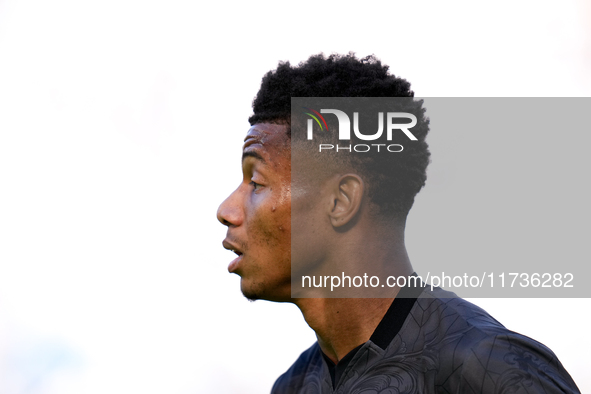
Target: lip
[{"x": 233, "y": 266}]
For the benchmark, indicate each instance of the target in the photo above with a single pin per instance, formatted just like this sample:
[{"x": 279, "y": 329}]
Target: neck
[{"x": 342, "y": 324}]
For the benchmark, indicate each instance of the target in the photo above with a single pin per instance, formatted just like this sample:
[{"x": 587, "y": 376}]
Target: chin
[
  {"x": 249, "y": 291},
  {"x": 252, "y": 293}
]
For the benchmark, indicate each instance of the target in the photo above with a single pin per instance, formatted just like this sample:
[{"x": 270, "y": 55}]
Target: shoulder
[
  {"x": 486, "y": 356},
  {"x": 439, "y": 319},
  {"x": 308, "y": 364},
  {"x": 510, "y": 362}
]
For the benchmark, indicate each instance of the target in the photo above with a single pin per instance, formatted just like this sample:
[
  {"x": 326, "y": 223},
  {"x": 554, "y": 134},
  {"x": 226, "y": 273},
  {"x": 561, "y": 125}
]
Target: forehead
[{"x": 268, "y": 140}]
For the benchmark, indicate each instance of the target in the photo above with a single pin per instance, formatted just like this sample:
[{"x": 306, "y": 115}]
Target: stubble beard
[
  {"x": 251, "y": 296},
  {"x": 258, "y": 291}
]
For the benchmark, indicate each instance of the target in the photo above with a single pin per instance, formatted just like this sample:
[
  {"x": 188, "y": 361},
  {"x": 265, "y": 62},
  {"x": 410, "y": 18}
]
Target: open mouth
[
  {"x": 230, "y": 246},
  {"x": 235, "y": 250},
  {"x": 234, "y": 263}
]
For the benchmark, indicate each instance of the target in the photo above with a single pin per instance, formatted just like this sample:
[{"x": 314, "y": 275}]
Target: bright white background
[{"x": 120, "y": 131}]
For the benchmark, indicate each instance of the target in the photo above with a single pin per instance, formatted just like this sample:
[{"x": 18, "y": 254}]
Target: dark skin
[
  {"x": 257, "y": 215},
  {"x": 332, "y": 223}
]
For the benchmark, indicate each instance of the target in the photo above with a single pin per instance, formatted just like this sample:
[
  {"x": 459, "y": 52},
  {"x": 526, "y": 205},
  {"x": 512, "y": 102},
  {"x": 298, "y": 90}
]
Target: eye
[{"x": 255, "y": 186}]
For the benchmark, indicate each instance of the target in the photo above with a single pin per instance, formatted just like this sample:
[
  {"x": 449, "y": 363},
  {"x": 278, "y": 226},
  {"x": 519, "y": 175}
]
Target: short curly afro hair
[{"x": 394, "y": 180}]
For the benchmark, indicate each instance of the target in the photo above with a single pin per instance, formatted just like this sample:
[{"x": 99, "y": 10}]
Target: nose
[{"x": 230, "y": 212}]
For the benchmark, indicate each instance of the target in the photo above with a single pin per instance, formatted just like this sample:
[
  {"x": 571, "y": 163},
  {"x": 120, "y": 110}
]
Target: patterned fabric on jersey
[{"x": 436, "y": 343}]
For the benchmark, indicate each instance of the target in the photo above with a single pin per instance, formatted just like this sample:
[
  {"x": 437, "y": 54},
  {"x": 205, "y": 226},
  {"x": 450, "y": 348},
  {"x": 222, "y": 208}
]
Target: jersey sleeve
[{"x": 514, "y": 363}]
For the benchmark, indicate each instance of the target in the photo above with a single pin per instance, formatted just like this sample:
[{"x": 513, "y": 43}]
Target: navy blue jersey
[{"x": 433, "y": 343}]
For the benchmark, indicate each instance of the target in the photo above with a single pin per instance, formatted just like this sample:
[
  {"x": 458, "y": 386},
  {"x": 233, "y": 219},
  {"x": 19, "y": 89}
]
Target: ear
[{"x": 347, "y": 198}]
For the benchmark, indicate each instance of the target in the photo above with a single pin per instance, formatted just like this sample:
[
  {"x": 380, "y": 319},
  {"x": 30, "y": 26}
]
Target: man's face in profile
[{"x": 258, "y": 213}]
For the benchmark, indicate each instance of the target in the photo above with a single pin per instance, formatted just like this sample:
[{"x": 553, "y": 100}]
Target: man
[{"x": 349, "y": 211}]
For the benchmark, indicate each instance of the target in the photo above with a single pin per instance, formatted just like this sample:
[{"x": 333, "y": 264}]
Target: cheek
[
  {"x": 305, "y": 211},
  {"x": 271, "y": 228},
  {"x": 309, "y": 231},
  {"x": 278, "y": 216}
]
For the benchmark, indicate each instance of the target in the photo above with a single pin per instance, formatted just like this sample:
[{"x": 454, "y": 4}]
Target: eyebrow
[{"x": 254, "y": 154}]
